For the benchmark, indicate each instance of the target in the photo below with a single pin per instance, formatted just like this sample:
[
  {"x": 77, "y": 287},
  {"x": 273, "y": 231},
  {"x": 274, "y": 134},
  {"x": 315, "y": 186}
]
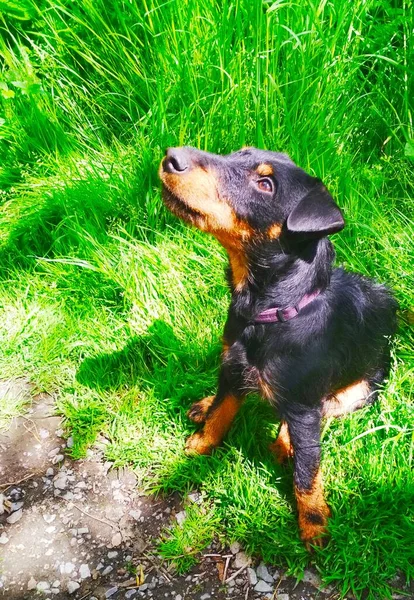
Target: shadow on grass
[{"x": 178, "y": 375}]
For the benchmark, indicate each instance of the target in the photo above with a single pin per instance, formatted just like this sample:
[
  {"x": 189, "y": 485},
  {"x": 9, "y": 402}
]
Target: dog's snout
[{"x": 176, "y": 160}]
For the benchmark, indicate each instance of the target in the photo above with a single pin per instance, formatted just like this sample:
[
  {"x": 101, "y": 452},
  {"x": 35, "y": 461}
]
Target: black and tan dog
[{"x": 312, "y": 340}]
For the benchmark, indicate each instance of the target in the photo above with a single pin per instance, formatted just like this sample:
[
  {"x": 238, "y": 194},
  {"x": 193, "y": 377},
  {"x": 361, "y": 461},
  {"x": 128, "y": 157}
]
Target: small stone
[
  {"x": 43, "y": 433},
  {"x": 69, "y": 442},
  {"x": 178, "y": 597},
  {"x": 83, "y": 530},
  {"x": 195, "y": 498},
  {"x": 283, "y": 597},
  {"x": 263, "y": 573},
  {"x": 14, "y": 517},
  {"x": 312, "y": 578},
  {"x": 112, "y": 554},
  {"x": 61, "y": 482},
  {"x": 251, "y": 574},
  {"x": 84, "y": 571},
  {"x": 242, "y": 560},
  {"x": 42, "y": 586},
  {"x": 50, "y": 472},
  {"x": 49, "y": 518},
  {"x": 56, "y": 583},
  {"x": 116, "y": 540},
  {"x": 72, "y": 586},
  {"x": 57, "y": 459},
  {"x": 107, "y": 570},
  {"x": 111, "y": 592},
  {"x": 205, "y": 597},
  {"x": 3, "y": 538},
  {"x": 235, "y": 547},
  {"x": 135, "y": 514},
  {"x": 53, "y": 452},
  {"x": 181, "y": 516},
  {"x": 143, "y": 587},
  {"x": 81, "y": 485},
  {"x": 67, "y": 568},
  {"x": 262, "y": 587},
  {"x": 130, "y": 594},
  {"x": 15, "y": 506},
  {"x": 31, "y": 584}
]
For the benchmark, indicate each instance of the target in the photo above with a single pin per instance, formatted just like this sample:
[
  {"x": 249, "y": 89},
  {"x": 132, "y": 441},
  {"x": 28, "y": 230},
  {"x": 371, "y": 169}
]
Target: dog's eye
[{"x": 265, "y": 185}]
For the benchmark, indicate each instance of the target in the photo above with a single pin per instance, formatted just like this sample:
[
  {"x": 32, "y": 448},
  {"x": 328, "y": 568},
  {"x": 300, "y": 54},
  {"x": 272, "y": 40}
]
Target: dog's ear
[{"x": 316, "y": 215}]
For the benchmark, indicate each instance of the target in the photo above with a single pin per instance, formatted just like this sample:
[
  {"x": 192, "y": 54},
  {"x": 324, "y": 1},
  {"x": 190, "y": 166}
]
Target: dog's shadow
[{"x": 178, "y": 375}]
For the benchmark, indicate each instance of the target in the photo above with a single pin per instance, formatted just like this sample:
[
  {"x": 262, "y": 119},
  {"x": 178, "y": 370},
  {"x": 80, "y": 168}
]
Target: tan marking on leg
[
  {"x": 313, "y": 513},
  {"x": 274, "y": 231},
  {"x": 216, "y": 426},
  {"x": 264, "y": 170},
  {"x": 198, "y": 410},
  {"x": 282, "y": 448},
  {"x": 346, "y": 400}
]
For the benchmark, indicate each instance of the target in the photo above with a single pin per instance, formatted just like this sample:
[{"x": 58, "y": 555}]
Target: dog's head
[{"x": 250, "y": 195}]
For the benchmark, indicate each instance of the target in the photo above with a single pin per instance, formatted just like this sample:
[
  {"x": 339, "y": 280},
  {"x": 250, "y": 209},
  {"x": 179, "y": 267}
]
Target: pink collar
[{"x": 280, "y": 315}]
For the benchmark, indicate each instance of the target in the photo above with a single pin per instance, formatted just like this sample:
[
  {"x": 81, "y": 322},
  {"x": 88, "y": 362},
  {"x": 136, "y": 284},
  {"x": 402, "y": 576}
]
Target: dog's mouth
[{"x": 180, "y": 208}]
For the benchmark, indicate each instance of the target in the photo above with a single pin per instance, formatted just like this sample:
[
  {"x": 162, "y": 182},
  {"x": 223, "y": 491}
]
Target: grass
[{"x": 115, "y": 307}]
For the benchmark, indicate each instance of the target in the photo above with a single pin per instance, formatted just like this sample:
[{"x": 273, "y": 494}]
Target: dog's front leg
[
  {"x": 313, "y": 512},
  {"x": 217, "y": 413}
]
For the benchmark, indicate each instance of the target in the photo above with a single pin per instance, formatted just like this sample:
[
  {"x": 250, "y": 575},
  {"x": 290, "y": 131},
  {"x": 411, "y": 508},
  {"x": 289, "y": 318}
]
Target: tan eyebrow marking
[
  {"x": 274, "y": 231},
  {"x": 264, "y": 169}
]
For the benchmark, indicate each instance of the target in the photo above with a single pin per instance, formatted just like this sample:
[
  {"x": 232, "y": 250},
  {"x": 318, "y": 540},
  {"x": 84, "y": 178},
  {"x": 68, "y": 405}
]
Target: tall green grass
[{"x": 117, "y": 308}]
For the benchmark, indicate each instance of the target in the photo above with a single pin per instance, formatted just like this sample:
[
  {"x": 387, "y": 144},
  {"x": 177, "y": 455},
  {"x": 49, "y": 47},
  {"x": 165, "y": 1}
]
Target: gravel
[{"x": 263, "y": 573}]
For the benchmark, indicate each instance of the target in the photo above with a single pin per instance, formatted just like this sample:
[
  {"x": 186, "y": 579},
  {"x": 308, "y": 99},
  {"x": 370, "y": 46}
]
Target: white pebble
[
  {"x": 107, "y": 570},
  {"x": 31, "y": 584},
  {"x": 72, "y": 586},
  {"x": 112, "y": 554},
  {"x": 83, "y": 530},
  {"x": 42, "y": 586},
  {"x": 61, "y": 482},
  {"x": 135, "y": 514},
  {"x": 235, "y": 548},
  {"x": 49, "y": 518},
  {"x": 3, "y": 538},
  {"x": 251, "y": 573},
  {"x": 181, "y": 516},
  {"x": 263, "y": 573},
  {"x": 263, "y": 587},
  {"x": 57, "y": 459},
  {"x": 14, "y": 517},
  {"x": 116, "y": 539},
  {"x": 84, "y": 571}
]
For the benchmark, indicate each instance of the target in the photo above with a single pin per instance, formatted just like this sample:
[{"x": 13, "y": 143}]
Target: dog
[{"x": 311, "y": 339}]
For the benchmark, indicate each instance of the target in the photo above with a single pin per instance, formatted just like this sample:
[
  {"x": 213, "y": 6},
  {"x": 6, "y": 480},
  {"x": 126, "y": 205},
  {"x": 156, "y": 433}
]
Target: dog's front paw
[
  {"x": 198, "y": 444},
  {"x": 198, "y": 411}
]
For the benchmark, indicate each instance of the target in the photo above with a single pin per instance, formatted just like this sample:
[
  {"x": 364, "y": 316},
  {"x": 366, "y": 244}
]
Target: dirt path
[{"x": 82, "y": 530}]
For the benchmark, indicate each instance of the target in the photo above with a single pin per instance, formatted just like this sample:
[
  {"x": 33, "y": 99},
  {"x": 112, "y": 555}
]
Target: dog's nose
[{"x": 176, "y": 160}]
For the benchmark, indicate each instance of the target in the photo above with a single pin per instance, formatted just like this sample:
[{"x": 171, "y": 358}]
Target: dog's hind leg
[
  {"x": 348, "y": 399},
  {"x": 282, "y": 448},
  {"x": 313, "y": 512}
]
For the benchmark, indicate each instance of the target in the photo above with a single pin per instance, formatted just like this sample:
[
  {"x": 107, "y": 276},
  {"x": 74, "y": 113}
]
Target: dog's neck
[{"x": 278, "y": 275}]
